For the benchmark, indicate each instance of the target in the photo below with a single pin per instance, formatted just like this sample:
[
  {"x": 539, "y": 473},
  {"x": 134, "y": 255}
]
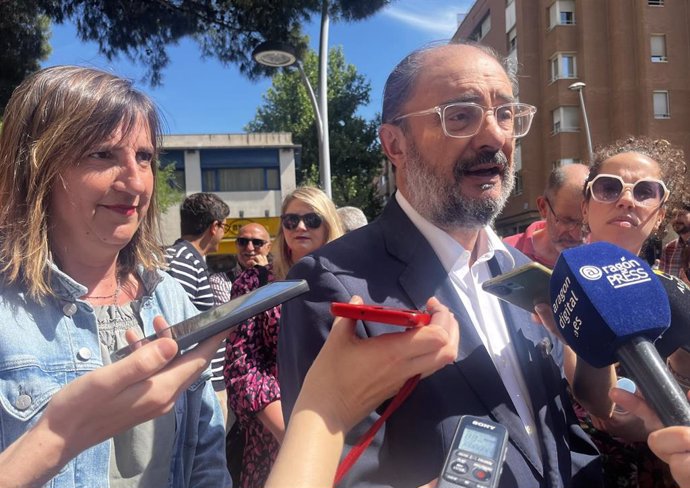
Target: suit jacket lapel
[{"x": 405, "y": 242}]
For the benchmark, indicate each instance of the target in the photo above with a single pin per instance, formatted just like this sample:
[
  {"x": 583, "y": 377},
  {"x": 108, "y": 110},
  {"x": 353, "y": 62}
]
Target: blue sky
[{"x": 202, "y": 96}]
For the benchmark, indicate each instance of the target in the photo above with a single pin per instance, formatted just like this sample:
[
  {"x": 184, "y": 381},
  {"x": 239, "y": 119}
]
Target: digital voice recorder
[{"x": 476, "y": 454}]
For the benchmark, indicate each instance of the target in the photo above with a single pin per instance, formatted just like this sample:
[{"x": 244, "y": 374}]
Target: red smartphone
[{"x": 384, "y": 315}]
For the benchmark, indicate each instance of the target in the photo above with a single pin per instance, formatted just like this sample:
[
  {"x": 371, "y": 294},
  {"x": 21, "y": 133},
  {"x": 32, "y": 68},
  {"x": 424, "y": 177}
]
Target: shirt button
[
  {"x": 84, "y": 354},
  {"x": 69, "y": 309},
  {"x": 23, "y": 402}
]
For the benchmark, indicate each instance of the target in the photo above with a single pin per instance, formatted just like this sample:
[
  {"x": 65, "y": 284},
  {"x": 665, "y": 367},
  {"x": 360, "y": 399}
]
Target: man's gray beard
[{"x": 441, "y": 201}]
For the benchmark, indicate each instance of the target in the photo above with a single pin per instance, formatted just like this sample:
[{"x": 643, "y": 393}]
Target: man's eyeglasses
[
  {"x": 566, "y": 223},
  {"x": 226, "y": 227},
  {"x": 244, "y": 242},
  {"x": 464, "y": 119},
  {"x": 311, "y": 220},
  {"x": 647, "y": 192}
]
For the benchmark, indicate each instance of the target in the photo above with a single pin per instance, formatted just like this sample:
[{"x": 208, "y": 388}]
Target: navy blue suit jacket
[{"x": 390, "y": 263}]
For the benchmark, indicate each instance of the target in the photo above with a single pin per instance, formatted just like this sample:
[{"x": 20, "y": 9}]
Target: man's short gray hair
[
  {"x": 352, "y": 218},
  {"x": 401, "y": 81}
]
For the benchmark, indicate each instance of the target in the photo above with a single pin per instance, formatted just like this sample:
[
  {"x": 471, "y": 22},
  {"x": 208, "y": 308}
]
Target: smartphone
[
  {"x": 384, "y": 315},
  {"x": 225, "y": 316},
  {"x": 476, "y": 454},
  {"x": 525, "y": 286}
]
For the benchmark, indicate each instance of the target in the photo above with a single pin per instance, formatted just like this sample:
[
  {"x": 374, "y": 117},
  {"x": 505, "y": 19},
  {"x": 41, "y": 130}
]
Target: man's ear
[
  {"x": 394, "y": 143},
  {"x": 542, "y": 207}
]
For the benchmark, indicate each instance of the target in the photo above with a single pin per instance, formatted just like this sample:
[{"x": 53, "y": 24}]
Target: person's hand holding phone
[{"x": 349, "y": 378}]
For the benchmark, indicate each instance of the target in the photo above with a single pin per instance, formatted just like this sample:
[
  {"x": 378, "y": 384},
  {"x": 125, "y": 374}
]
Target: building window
[
  {"x": 658, "y": 48},
  {"x": 482, "y": 29},
  {"x": 655, "y": 3},
  {"x": 240, "y": 179},
  {"x": 563, "y": 66},
  {"x": 661, "y": 105},
  {"x": 174, "y": 157},
  {"x": 565, "y": 119},
  {"x": 511, "y": 40},
  {"x": 562, "y": 12}
]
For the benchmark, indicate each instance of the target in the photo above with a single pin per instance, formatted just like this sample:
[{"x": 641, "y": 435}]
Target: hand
[
  {"x": 352, "y": 376},
  {"x": 672, "y": 445},
  {"x": 257, "y": 260},
  {"x": 543, "y": 314},
  {"x": 636, "y": 405}
]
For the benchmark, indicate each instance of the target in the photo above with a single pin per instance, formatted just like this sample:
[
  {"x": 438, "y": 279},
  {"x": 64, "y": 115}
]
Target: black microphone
[
  {"x": 610, "y": 307},
  {"x": 678, "y": 333}
]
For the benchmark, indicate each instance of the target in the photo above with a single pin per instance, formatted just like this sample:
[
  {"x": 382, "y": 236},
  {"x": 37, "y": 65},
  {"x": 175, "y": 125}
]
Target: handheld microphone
[
  {"x": 610, "y": 307},
  {"x": 678, "y": 333}
]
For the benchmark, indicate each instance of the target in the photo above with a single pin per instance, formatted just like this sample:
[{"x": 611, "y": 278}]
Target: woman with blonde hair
[
  {"x": 80, "y": 276},
  {"x": 308, "y": 221}
]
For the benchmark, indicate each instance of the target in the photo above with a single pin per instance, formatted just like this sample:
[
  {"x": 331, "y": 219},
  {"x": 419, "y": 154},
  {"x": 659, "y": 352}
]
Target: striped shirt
[
  {"x": 188, "y": 266},
  {"x": 672, "y": 257}
]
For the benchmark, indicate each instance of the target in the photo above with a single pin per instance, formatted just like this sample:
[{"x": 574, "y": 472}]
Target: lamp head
[
  {"x": 275, "y": 54},
  {"x": 577, "y": 86}
]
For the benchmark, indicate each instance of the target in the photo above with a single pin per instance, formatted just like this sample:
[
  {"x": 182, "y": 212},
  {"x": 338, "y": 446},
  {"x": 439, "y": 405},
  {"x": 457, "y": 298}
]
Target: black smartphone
[
  {"x": 525, "y": 286},
  {"x": 225, "y": 316},
  {"x": 476, "y": 454}
]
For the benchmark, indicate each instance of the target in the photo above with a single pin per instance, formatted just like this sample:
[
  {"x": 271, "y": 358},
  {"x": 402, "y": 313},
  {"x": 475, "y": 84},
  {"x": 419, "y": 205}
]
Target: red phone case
[{"x": 385, "y": 315}]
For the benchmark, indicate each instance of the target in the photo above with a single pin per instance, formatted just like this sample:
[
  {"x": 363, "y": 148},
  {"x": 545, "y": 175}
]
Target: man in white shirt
[{"x": 450, "y": 121}]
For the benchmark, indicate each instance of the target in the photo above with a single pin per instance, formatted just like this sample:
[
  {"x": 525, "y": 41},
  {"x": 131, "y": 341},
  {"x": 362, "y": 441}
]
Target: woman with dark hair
[{"x": 80, "y": 274}]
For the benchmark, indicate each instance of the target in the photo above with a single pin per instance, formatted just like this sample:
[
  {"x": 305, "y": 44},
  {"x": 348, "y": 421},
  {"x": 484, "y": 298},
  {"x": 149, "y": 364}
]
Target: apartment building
[{"x": 633, "y": 57}]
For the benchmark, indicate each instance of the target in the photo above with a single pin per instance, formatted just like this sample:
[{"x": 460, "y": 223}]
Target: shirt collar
[{"x": 450, "y": 252}]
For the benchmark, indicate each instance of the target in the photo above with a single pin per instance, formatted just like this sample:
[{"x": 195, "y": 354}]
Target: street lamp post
[
  {"x": 579, "y": 88},
  {"x": 280, "y": 54}
]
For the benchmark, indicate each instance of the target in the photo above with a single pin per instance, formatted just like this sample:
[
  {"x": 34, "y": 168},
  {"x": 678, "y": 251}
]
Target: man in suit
[{"x": 450, "y": 121}]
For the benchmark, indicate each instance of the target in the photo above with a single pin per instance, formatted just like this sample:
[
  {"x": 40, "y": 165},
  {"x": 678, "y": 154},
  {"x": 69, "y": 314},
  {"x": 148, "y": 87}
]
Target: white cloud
[{"x": 437, "y": 17}]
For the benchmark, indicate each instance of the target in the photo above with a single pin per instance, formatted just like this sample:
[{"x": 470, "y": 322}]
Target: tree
[
  {"x": 24, "y": 34},
  {"x": 355, "y": 152},
  {"x": 226, "y": 29},
  {"x": 167, "y": 192}
]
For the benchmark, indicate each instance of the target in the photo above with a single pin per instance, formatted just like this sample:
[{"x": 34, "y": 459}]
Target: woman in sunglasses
[
  {"x": 625, "y": 196},
  {"x": 308, "y": 221}
]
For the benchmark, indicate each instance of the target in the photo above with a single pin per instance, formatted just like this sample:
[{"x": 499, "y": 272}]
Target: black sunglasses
[
  {"x": 244, "y": 242},
  {"x": 311, "y": 220}
]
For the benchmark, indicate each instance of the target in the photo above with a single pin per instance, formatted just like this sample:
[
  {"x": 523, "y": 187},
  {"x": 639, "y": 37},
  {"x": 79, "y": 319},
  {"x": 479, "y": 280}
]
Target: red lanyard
[{"x": 368, "y": 436}]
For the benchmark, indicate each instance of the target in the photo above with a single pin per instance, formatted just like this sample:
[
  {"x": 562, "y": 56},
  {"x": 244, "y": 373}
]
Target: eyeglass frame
[
  {"x": 253, "y": 240},
  {"x": 226, "y": 227},
  {"x": 626, "y": 186},
  {"x": 573, "y": 224},
  {"x": 301, "y": 218},
  {"x": 440, "y": 110}
]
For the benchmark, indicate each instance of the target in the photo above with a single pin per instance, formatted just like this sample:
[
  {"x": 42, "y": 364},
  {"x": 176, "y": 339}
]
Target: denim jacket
[{"x": 44, "y": 347}]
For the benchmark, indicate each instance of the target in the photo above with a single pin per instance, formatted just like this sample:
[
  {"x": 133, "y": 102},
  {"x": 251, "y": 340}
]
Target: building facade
[
  {"x": 250, "y": 172},
  {"x": 632, "y": 55}
]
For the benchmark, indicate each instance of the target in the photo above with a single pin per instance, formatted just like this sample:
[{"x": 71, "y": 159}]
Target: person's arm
[
  {"x": 350, "y": 378},
  {"x": 109, "y": 400},
  {"x": 590, "y": 385},
  {"x": 220, "y": 287}
]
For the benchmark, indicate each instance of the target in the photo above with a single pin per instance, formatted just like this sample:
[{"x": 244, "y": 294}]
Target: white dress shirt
[{"x": 483, "y": 308}]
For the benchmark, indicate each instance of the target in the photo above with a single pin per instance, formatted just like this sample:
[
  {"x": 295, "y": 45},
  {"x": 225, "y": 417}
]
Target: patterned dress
[{"x": 251, "y": 378}]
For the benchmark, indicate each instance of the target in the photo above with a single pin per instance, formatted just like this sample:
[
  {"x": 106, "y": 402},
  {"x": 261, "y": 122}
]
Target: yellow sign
[{"x": 227, "y": 245}]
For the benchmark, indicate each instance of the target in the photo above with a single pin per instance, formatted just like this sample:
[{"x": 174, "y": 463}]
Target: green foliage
[
  {"x": 225, "y": 29},
  {"x": 24, "y": 34},
  {"x": 355, "y": 152},
  {"x": 167, "y": 193}
]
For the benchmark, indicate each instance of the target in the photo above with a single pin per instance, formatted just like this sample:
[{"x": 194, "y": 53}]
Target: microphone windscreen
[
  {"x": 678, "y": 334},
  {"x": 603, "y": 296}
]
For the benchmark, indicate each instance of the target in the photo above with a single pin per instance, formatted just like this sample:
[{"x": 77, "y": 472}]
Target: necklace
[{"x": 114, "y": 295}]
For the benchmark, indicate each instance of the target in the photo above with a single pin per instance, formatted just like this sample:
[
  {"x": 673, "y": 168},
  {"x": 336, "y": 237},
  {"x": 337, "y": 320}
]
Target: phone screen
[
  {"x": 525, "y": 286},
  {"x": 225, "y": 316}
]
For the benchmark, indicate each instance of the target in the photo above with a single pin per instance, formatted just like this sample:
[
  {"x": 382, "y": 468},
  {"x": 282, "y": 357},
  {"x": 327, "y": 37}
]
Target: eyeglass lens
[
  {"x": 566, "y": 223},
  {"x": 608, "y": 189},
  {"x": 464, "y": 119},
  {"x": 311, "y": 220},
  {"x": 244, "y": 242}
]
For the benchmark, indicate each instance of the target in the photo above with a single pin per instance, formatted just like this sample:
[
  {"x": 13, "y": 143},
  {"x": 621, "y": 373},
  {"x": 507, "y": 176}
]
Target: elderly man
[
  {"x": 560, "y": 208},
  {"x": 253, "y": 245},
  {"x": 450, "y": 121}
]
